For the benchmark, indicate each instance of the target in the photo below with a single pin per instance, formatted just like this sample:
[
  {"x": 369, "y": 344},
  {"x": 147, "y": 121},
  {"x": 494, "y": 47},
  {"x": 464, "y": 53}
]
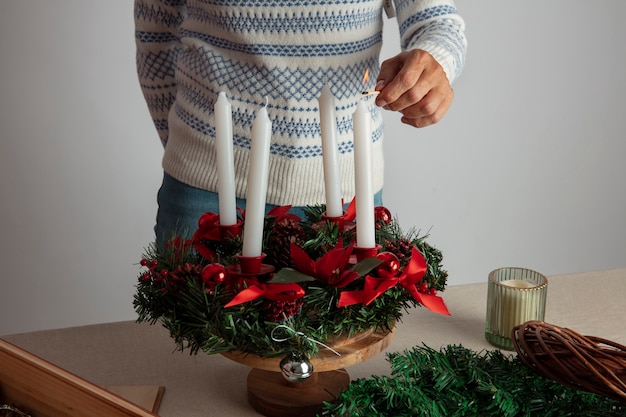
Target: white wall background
[{"x": 527, "y": 169}]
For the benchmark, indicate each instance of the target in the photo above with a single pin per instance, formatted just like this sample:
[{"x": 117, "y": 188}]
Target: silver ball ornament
[{"x": 296, "y": 367}]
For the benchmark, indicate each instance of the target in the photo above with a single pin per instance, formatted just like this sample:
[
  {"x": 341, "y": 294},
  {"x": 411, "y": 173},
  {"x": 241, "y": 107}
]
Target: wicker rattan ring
[{"x": 581, "y": 362}]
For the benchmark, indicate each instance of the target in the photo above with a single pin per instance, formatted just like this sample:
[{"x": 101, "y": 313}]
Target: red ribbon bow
[
  {"x": 412, "y": 274},
  {"x": 276, "y": 292},
  {"x": 209, "y": 228}
]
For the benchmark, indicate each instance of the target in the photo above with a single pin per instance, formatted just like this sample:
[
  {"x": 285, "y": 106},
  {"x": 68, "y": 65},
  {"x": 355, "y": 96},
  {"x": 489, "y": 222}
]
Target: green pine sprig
[{"x": 456, "y": 381}]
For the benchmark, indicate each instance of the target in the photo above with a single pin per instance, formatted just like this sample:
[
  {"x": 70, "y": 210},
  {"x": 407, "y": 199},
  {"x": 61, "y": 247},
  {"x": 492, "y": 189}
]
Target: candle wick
[{"x": 267, "y": 101}]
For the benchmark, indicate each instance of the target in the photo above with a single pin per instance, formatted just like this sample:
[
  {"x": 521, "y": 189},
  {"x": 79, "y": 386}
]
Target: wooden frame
[{"x": 45, "y": 390}]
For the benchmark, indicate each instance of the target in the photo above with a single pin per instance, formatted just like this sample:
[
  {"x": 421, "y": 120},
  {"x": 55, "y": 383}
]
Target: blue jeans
[{"x": 181, "y": 205}]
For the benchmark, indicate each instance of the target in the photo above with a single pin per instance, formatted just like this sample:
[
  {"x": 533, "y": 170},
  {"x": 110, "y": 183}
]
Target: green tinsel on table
[{"x": 457, "y": 381}]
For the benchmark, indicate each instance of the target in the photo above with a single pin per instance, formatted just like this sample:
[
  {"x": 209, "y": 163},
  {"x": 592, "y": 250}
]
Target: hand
[{"x": 414, "y": 84}]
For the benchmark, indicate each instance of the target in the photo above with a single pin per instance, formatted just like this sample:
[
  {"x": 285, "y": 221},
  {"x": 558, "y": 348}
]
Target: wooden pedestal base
[{"x": 271, "y": 395}]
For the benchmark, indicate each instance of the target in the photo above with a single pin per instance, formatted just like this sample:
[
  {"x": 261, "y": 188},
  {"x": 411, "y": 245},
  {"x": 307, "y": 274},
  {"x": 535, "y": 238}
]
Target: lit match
[{"x": 366, "y": 78}]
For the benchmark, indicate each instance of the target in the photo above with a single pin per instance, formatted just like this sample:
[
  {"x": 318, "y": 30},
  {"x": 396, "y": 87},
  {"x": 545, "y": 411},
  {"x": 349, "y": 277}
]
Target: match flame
[{"x": 366, "y": 76}]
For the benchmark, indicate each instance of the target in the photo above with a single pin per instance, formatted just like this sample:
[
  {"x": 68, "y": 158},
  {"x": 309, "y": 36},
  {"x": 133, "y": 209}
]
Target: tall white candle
[
  {"x": 362, "y": 125},
  {"x": 328, "y": 125},
  {"x": 257, "y": 185},
  {"x": 225, "y": 161}
]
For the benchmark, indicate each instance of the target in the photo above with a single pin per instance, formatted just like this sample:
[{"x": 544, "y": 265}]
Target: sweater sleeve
[
  {"x": 435, "y": 27},
  {"x": 157, "y": 24}
]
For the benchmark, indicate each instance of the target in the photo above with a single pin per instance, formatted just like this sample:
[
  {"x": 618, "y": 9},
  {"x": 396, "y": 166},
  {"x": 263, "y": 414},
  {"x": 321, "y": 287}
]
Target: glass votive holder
[{"x": 514, "y": 296}]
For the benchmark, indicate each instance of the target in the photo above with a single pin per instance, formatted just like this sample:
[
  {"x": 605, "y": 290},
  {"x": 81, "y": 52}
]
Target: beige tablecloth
[{"x": 128, "y": 353}]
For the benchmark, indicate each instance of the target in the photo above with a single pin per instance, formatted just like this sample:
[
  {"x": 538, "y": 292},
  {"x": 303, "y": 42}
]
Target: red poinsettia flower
[{"x": 331, "y": 268}]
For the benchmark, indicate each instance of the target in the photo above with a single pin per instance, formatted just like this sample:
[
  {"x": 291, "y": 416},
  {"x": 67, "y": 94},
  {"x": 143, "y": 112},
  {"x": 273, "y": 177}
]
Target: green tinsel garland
[{"x": 457, "y": 381}]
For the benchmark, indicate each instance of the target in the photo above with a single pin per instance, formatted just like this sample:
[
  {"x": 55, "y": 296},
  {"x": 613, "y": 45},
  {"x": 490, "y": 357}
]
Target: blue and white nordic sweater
[{"x": 285, "y": 50}]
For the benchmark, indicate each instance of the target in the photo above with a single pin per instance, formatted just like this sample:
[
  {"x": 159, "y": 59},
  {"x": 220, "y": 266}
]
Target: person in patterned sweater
[{"x": 280, "y": 54}]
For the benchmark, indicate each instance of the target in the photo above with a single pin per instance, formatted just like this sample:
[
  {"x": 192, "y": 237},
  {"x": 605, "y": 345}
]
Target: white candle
[
  {"x": 518, "y": 304},
  {"x": 517, "y": 283},
  {"x": 257, "y": 185},
  {"x": 328, "y": 125},
  {"x": 225, "y": 161},
  {"x": 362, "y": 125}
]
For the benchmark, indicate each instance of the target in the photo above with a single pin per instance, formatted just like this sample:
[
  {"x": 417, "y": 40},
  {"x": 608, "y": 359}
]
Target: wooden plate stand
[{"x": 273, "y": 396}]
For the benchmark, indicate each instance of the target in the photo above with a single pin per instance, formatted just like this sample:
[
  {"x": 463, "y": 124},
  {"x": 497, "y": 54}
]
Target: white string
[
  {"x": 295, "y": 333},
  {"x": 13, "y": 410}
]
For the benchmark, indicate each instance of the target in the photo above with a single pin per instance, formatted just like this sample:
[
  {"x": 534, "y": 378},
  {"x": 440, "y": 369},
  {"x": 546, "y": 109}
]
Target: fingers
[
  {"x": 427, "y": 112},
  {"x": 414, "y": 84},
  {"x": 398, "y": 82}
]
